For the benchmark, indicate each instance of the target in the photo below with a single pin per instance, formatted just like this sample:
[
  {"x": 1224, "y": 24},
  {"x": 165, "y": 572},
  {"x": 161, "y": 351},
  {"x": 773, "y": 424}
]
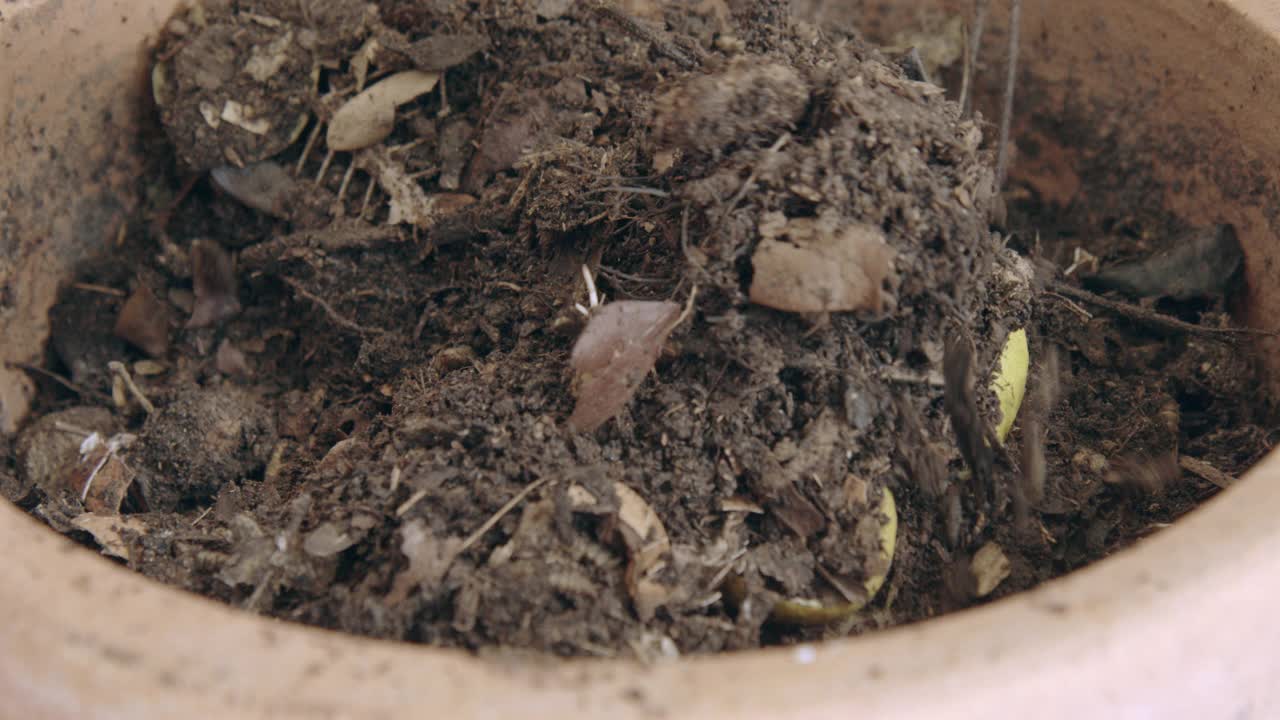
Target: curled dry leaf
[
  {"x": 617, "y": 348},
  {"x": 144, "y": 322},
  {"x": 409, "y": 204},
  {"x": 265, "y": 186},
  {"x": 213, "y": 277},
  {"x": 646, "y": 540},
  {"x": 990, "y": 567},
  {"x": 108, "y": 531},
  {"x": 429, "y": 560},
  {"x": 101, "y": 479},
  {"x": 369, "y": 117},
  {"x": 818, "y": 268}
]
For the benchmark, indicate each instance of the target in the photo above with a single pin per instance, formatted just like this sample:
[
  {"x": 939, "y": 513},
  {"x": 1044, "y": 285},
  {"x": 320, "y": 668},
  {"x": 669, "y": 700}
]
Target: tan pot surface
[{"x": 1181, "y": 626}]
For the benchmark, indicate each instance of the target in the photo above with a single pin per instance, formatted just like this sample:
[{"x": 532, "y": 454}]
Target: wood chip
[
  {"x": 990, "y": 567},
  {"x": 1206, "y": 471},
  {"x": 818, "y": 269},
  {"x": 144, "y": 322}
]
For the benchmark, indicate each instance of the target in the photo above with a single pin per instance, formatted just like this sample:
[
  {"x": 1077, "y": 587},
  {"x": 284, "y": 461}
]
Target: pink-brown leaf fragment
[
  {"x": 213, "y": 278},
  {"x": 820, "y": 269},
  {"x": 144, "y": 322},
  {"x": 617, "y": 348}
]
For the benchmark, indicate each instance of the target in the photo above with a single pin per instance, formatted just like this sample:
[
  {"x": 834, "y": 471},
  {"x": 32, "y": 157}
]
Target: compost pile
[{"x": 581, "y": 327}]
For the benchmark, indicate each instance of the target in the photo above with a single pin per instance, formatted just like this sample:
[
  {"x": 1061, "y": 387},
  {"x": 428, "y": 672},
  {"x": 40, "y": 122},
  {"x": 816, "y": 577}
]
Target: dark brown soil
[{"x": 361, "y": 423}]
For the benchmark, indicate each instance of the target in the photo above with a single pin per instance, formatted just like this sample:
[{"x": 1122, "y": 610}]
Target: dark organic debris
[
  {"x": 264, "y": 186},
  {"x": 1201, "y": 263},
  {"x": 213, "y": 277}
]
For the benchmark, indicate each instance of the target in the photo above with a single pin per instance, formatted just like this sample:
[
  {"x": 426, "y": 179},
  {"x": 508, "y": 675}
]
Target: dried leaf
[
  {"x": 100, "y": 478},
  {"x": 990, "y": 567},
  {"x": 440, "y": 52},
  {"x": 108, "y": 531},
  {"x": 264, "y": 186},
  {"x": 231, "y": 361},
  {"x": 214, "y": 280},
  {"x": 646, "y": 540},
  {"x": 819, "y": 269},
  {"x": 369, "y": 117},
  {"x": 326, "y": 541},
  {"x": 429, "y": 560},
  {"x": 409, "y": 204},
  {"x": 144, "y": 322},
  {"x": 617, "y": 348}
]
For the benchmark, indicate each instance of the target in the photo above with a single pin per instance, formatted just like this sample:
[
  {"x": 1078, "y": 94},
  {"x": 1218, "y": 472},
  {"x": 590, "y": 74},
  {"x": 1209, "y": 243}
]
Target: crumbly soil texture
[{"x": 346, "y": 369}]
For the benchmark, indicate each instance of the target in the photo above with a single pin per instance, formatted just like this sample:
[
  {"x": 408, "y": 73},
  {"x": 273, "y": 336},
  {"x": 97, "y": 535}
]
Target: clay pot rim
[{"x": 93, "y": 628}]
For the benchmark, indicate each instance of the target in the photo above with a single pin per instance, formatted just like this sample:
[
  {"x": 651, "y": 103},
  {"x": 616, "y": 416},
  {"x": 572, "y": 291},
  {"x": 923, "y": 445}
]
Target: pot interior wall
[{"x": 76, "y": 104}]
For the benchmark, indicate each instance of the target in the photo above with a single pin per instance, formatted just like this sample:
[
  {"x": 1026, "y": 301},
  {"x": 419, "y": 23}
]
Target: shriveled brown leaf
[
  {"x": 821, "y": 269},
  {"x": 644, "y": 536},
  {"x": 108, "y": 531},
  {"x": 213, "y": 277},
  {"x": 617, "y": 348},
  {"x": 101, "y": 478},
  {"x": 144, "y": 322},
  {"x": 409, "y": 203}
]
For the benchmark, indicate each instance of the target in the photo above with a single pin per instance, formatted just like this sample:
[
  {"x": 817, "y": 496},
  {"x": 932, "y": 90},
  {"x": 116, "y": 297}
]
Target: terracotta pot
[{"x": 1181, "y": 626}]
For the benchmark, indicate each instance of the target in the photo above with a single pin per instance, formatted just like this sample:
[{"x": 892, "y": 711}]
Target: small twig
[
  {"x": 206, "y": 512},
  {"x": 619, "y": 275},
  {"x": 346, "y": 180},
  {"x": 100, "y": 289},
  {"x": 76, "y": 430},
  {"x": 407, "y": 505},
  {"x": 306, "y": 149},
  {"x": 324, "y": 167},
  {"x": 1071, "y": 305},
  {"x": 334, "y": 315},
  {"x": 663, "y": 45},
  {"x": 1204, "y": 470},
  {"x": 120, "y": 370},
  {"x": 971, "y": 56},
  {"x": 1011, "y": 76},
  {"x": 502, "y": 512},
  {"x": 1151, "y": 317},
  {"x": 64, "y": 382},
  {"x": 755, "y": 173},
  {"x": 632, "y": 189},
  {"x": 252, "y": 602}
]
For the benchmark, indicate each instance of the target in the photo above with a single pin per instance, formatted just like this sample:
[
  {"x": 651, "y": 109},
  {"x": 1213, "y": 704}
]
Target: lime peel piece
[
  {"x": 803, "y": 611},
  {"x": 1010, "y": 380}
]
